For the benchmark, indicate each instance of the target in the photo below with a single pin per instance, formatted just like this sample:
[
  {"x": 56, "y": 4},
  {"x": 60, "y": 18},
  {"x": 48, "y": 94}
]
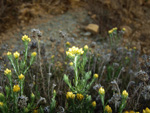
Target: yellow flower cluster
[
  {"x": 108, "y": 109},
  {"x": 26, "y": 38},
  {"x": 147, "y": 110},
  {"x": 94, "y": 103},
  {"x": 33, "y": 54},
  {"x": 86, "y": 47},
  {"x": 123, "y": 29},
  {"x": 70, "y": 95},
  {"x": 52, "y": 56},
  {"x": 72, "y": 52},
  {"x": 21, "y": 76},
  {"x": 7, "y": 71},
  {"x": 68, "y": 43},
  {"x": 1, "y": 104},
  {"x": 16, "y": 88},
  {"x": 80, "y": 97},
  {"x": 71, "y": 63},
  {"x": 16, "y": 55},
  {"x": 125, "y": 94},
  {"x": 112, "y": 30},
  {"x": 130, "y": 112},
  {"x": 8, "y": 53},
  {"x": 102, "y": 91},
  {"x": 95, "y": 75}
]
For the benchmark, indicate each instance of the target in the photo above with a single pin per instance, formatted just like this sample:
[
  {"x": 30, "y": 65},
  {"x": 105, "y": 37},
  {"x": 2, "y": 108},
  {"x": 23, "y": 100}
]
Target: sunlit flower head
[
  {"x": 80, "y": 96},
  {"x": 72, "y": 52},
  {"x": 33, "y": 54},
  {"x": 102, "y": 91},
  {"x": 86, "y": 47},
  {"x": 125, "y": 94},
  {"x": 115, "y": 28},
  {"x": 16, "y": 55},
  {"x": 94, "y": 103},
  {"x": 147, "y": 110},
  {"x": 21, "y": 77},
  {"x": 8, "y": 53},
  {"x": 16, "y": 88},
  {"x": 1, "y": 104},
  {"x": 108, "y": 109},
  {"x": 52, "y": 56},
  {"x": 70, "y": 95},
  {"x": 7, "y": 72},
  {"x": 95, "y": 75},
  {"x": 71, "y": 63},
  {"x": 26, "y": 38},
  {"x": 68, "y": 43},
  {"x": 110, "y": 31},
  {"x": 123, "y": 29}
]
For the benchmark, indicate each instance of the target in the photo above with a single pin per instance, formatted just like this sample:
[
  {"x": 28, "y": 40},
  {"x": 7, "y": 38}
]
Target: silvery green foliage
[
  {"x": 146, "y": 92},
  {"x": 142, "y": 75},
  {"x": 22, "y": 101}
]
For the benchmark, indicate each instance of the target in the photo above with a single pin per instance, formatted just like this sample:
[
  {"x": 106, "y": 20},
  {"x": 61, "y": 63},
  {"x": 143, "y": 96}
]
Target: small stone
[
  {"x": 86, "y": 34},
  {"x": 61, "y": 50},
  {"x": 93, "y": 44},
  {"x": 93, "y": 28}
]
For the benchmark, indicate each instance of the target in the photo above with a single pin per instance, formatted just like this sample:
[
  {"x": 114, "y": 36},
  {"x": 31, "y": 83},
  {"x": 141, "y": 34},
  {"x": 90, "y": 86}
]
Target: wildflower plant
[
  {"x": 123, "y": 101},
  {"x": 13, "y": 92},
  {"x": 80, "y": 85}
]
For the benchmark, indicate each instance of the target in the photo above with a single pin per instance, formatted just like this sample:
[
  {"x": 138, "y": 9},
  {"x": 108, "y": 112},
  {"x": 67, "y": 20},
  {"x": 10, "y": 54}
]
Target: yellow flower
[
  {"x": 52, "y": 56},
  {"x": 7, "y": 72},
  {"x": 33, "y": 54},
  {"x": 147, "y": 110},
  {"x": 95, "y": 75},
  {"x": 86, "y": 47},
  {"x": 115, "y": 28},
  {"x": 72, "y": 52},
  {"x": 21, "y": 76},
  {"x": 16, "y": 55},
  {"x": 35, "y": 111},
  {"x": 134, "y": 48},
  {"x": 123, "y": 29},
  {"x": 130, "y": 49},
  {"x": 16, "y": 88},
  {"x": 125, "y": 112},
  {"x": 26, "y": 38},
  {"x": 94, "y": 103},
  {"x": 8, "y": 53},
  {"x": 68, "y": 43},
  {"x": 32, "y": 95},
  {"x": 132, "y": 112},
  {"x": 102, "y": 91},
  {"x": 125, "y": 94},
  {"x": 71, "y": 63},
  {"x": 108, "y": 109},
  {"x": 126, "y": 47},
  {"x": 110, "y": 31},
  {"x": 1, "y": 104},
  {"x": 70, "y": 95},
  {"x": 80, "y": 96}
]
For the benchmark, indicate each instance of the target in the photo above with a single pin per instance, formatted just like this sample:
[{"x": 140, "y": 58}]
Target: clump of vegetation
[{"x": 84, "y": 80}]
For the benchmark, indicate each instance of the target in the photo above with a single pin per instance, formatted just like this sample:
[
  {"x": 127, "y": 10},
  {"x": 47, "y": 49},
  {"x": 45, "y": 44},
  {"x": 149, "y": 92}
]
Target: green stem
[
  {"x": 76, "y": 70},
  {"x": 18, "y": 66},
  {"x": 14, "y": 66},
  {"x": 21, "y": 86},
  {"x": 15, "y": 102}
]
